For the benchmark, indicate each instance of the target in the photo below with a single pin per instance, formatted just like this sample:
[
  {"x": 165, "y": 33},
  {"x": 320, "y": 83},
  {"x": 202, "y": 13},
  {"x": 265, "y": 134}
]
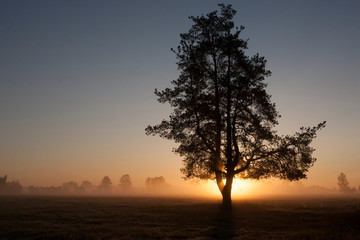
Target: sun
[{"x": 240, "y": 188}]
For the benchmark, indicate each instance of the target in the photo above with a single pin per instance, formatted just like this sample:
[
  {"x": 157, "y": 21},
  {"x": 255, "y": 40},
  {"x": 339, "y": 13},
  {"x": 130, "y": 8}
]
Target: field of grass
[{"x": 30, "y": 217}]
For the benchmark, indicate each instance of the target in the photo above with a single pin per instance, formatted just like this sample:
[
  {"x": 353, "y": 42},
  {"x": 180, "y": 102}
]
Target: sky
[{"x": 77, "y": 82}]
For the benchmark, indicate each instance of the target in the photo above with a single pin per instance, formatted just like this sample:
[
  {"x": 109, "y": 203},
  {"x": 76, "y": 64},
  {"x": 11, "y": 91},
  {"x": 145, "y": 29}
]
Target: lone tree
[{"x": 223, "y": 118}]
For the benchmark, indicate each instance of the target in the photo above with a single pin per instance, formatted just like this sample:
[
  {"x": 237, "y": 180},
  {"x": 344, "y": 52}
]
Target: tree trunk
[
  {"x": 226, "y": 192},
  {"x": 220, "y": 182}
]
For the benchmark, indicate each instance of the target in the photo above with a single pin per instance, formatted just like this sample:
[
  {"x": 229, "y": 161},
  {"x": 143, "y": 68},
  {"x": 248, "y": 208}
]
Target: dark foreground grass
[{"x": 27, "y": 217}]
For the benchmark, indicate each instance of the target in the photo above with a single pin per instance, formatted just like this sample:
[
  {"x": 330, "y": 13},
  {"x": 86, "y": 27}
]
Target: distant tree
[
  {"x": 125, "y": 182},
  {"x": 106, "y": 185},
  {"x": 14, "y": 187},
  {"x": 344, "y": 184},
  {"x": 155, "y": 182},
  {"x": 223, "y": 118},
  {"x": 6, "y": 187},
  {"x": 106, "y": 181},
  {"x": 3, "y": 181},
  {"x": 70, "y": 187},
  {"x": 86, "y": 185}
]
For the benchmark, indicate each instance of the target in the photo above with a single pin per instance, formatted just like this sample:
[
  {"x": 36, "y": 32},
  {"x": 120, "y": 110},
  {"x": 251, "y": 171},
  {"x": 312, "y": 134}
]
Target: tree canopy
[
  {"x": 125, "y": 182},
  {"x": 223, "y": 118},
  {"x": 155, "y": 182},
  {"x": 105, "y": 185}
]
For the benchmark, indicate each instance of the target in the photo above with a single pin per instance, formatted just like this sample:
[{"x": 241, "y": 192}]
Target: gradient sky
[{"x": 77, "y": 81}]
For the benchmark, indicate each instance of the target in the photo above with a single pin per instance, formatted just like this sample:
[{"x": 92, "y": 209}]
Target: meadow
[{"x": 45, "y": 217}]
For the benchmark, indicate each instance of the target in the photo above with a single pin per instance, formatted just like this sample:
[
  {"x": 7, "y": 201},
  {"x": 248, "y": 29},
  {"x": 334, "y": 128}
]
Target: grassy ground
[{"x": 25, "y": 217}]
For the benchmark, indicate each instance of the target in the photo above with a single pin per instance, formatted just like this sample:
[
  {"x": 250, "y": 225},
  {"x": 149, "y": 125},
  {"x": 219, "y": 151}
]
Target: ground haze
[{"x": 33, "y": 217}]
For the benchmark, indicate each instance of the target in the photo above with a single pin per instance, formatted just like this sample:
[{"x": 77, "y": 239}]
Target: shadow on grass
[{"x": 224, "y": 224}]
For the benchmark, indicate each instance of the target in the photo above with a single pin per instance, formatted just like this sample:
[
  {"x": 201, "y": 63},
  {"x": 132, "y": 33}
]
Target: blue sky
[{"x": 77, "y": 81}]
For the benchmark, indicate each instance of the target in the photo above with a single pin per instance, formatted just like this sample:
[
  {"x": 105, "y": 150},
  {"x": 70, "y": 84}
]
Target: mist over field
[
  {"x": 158, "y": 186},
  {"x": 270, "y": 209}
]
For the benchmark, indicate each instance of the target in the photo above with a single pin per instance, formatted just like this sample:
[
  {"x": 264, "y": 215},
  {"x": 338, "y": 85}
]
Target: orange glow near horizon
[{"x": 240, "y": 188}]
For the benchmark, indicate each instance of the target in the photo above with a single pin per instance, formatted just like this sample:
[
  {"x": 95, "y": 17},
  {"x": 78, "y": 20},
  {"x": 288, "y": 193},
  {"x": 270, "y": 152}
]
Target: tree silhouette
[
  {"x": 223, "y": 118},
  {"x": 86, "y": 186},
  {"x": 344, "y": 184},
  {"x": 7, "y": 187},
  {"x": 3, "y": 180},
  {"x": 125, "y": 182},
  {"x": 105, "y": 185},
  {"x": 155, "y": 182}
]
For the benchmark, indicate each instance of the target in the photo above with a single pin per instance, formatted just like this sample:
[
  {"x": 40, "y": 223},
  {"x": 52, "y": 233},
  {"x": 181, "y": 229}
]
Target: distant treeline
[
  {"x": 7, "y": 187},
  {"x": 86, "y": 187},
  {"x": 124, "y": 186}
]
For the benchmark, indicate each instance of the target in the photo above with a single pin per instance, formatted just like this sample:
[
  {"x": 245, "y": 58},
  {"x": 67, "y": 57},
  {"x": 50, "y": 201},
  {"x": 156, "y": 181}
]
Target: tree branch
[{"x": 198, "y": 129}]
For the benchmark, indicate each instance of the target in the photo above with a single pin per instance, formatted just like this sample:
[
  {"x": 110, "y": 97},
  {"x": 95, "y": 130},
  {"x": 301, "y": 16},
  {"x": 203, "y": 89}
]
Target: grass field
[{"x": 30, "y": 217}]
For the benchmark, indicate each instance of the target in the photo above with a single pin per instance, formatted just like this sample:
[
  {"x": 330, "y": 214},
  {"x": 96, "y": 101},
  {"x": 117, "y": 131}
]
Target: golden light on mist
[{"x": 240, "y": 188}]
